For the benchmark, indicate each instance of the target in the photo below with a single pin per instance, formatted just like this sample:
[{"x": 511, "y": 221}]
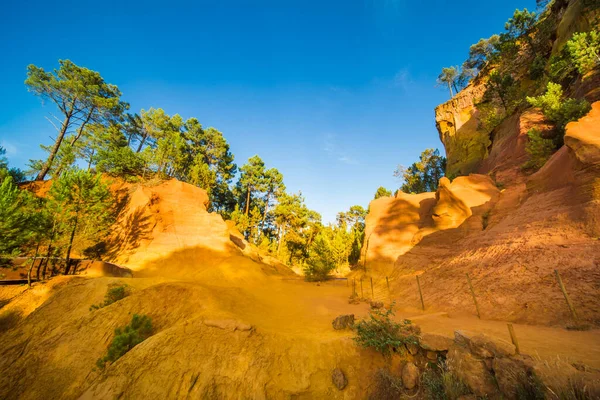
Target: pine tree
[
  {"x": 81, "y": 95},
  {"x": 82, "y": 206}
]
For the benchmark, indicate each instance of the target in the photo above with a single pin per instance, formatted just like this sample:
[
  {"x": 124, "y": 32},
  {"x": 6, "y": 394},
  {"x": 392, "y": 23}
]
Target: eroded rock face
[
  {"x": 457, "y": 122},
  {"x": 450, "y": 211},
  {"x": 583, "y": 136},
  {"x": 395, "y": 225}
]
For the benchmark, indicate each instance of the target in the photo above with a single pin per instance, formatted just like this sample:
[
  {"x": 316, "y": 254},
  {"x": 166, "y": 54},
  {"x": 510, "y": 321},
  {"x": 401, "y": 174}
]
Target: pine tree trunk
[
  {"x": 280, "y": 237},
  {"x": 48, "y": 164},
  {"x": 247, "y": 201},
  {"x": 46, "y": 265},
  {"x": 37, "y": 248},
  {"x": 262, "y": 223},
  {"x": 142, "y": 143},
  {"x": 82, "y": 127},
  {"x": 450, "y": 88},
  {"x": 68, "y": 258},
  {"x": 90, "y": 161},
  {"x": 37, "y": 274}
]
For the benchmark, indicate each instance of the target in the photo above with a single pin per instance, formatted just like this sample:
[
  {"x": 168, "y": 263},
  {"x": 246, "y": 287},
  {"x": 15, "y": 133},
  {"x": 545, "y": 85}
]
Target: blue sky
[{"x": 335, "y": 94}]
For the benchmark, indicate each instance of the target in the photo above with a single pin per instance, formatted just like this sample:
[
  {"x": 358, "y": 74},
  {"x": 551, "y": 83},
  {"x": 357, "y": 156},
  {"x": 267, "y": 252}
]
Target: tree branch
[{"x": 55, "y": 127}]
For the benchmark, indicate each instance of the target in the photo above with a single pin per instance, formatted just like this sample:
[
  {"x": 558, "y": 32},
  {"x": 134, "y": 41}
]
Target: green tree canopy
[
  {"x": 252, "y": 179},
  {"x": 382, "y": 192},
  {"x": 82, "y": 97},
  {"x": 449, "y": 77},
  {"x": 17, "y": 218},
  {"x": 482, "y": 52},
  {"x": 423, "y": 175},
  {"x": 82, "y": 206}
]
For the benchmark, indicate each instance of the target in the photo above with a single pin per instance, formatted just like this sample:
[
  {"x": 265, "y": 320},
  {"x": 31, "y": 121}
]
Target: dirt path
[{"x": 309, "y": 309}]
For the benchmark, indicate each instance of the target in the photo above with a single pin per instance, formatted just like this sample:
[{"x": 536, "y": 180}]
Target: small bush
[
  {"x": 383, "y": 334},
  {"x": 489, "y": 116},
  {"x": 387, "y": 386},
  {"x": 537, "y": 68},
  {"x": 127, "y": 338},
  {"x": 558, "y": 110},
  {"x": 439, "y": 383},
  {"x": 539, "y": 149},
  {"x": 561, "y": 68},
  {"x": 113, "y": 294},
  {"x": 584, "y": 48}
]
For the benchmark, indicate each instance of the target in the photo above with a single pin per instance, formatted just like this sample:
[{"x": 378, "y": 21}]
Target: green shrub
[
  {"x": 127, "y": 338},
  {"x": 539, "y": 149},
  {"x": 561, "y": 67},
  {"x": 383, "y": 334},
  {"x": 113, "y": 294},
  {"x": 584, "y": 48},
  {"x": 489, "y": 116},
  {"x": 558, "y": 110},
  {"x": 537, "y": 68}
]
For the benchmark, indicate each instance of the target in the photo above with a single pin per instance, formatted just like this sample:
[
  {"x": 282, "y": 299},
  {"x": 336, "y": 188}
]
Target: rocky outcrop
[
  {"x": 457, "y": 122},
  {"x": 583, "y": 137},
  {"x": 395, "y": 225}
]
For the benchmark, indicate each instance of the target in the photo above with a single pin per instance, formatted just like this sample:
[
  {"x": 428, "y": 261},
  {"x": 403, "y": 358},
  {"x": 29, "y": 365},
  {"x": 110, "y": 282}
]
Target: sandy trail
[{"x": 294, "y": 307}]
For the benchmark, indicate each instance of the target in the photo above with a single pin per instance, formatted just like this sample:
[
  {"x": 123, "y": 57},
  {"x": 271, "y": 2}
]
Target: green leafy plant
[
  {"x": 113, "y": 294},
  {"x": 561, "y": 67},
  {"x": 539, "y": 149},
  {"x": 127, "y": 338},
  {"x": 557, "y": 109},
  {"x": 383, "y": 334},
  {"x": 585, "y": 50},
  {"x": 537, "y": 68},
  {"x": 489, "y": 116}
]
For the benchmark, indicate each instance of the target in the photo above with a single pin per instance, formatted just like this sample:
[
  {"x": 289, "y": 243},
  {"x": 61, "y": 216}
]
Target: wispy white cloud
[
  {"x": 10, "y": 148},
  {"x": 402, "y": 79},
  {"x": 336, "y": 151}
]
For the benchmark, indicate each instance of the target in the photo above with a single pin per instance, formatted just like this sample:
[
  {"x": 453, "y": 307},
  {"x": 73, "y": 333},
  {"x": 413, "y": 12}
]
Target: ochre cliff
[
  {"x": 460, "y": 121},
  {"x": 509, "y": 241}
]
